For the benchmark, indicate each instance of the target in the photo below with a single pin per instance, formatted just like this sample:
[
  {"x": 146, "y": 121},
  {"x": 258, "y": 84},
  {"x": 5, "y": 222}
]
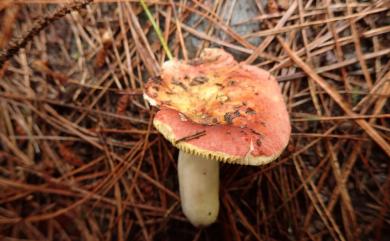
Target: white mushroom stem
[{"x": 199, "y": 188}]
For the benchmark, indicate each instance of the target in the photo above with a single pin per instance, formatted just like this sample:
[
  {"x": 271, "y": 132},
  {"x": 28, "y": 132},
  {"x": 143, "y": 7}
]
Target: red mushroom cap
[{"x": 221, "y": 109}]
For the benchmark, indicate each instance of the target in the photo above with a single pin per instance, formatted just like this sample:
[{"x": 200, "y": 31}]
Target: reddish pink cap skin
[
  {"x": 261, "y": 128},
  {"x": 231, "y": 140}
]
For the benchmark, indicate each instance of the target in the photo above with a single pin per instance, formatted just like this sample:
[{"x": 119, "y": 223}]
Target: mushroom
[{"x": 215, "y": 109}]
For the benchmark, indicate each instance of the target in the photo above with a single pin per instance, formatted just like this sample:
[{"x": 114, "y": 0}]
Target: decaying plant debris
[{"x": 80, "y": 160}]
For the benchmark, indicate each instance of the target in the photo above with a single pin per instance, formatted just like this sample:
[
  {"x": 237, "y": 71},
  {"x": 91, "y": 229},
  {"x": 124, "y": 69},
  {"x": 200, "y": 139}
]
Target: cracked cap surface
[{"x": 221, "y": 109}]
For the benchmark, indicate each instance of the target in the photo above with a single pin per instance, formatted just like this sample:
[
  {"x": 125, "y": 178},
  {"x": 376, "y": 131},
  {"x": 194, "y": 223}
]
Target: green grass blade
[{"x": 157, "y": 29}]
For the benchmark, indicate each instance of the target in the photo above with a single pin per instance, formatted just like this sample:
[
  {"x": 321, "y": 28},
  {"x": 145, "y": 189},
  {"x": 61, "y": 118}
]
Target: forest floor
[{"x": 81, "y": 160}]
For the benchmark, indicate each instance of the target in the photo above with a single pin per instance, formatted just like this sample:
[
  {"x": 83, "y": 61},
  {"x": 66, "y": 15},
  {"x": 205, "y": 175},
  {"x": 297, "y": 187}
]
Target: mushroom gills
[{"x": 199, "y": 188}]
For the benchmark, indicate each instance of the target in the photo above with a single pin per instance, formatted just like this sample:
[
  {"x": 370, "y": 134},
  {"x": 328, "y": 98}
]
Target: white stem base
[{"x": 199, "y": 188}]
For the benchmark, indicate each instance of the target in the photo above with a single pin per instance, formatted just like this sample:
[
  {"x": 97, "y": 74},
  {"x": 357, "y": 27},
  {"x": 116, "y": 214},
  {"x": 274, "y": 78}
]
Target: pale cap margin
[{"x": 249, "y": 159}]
